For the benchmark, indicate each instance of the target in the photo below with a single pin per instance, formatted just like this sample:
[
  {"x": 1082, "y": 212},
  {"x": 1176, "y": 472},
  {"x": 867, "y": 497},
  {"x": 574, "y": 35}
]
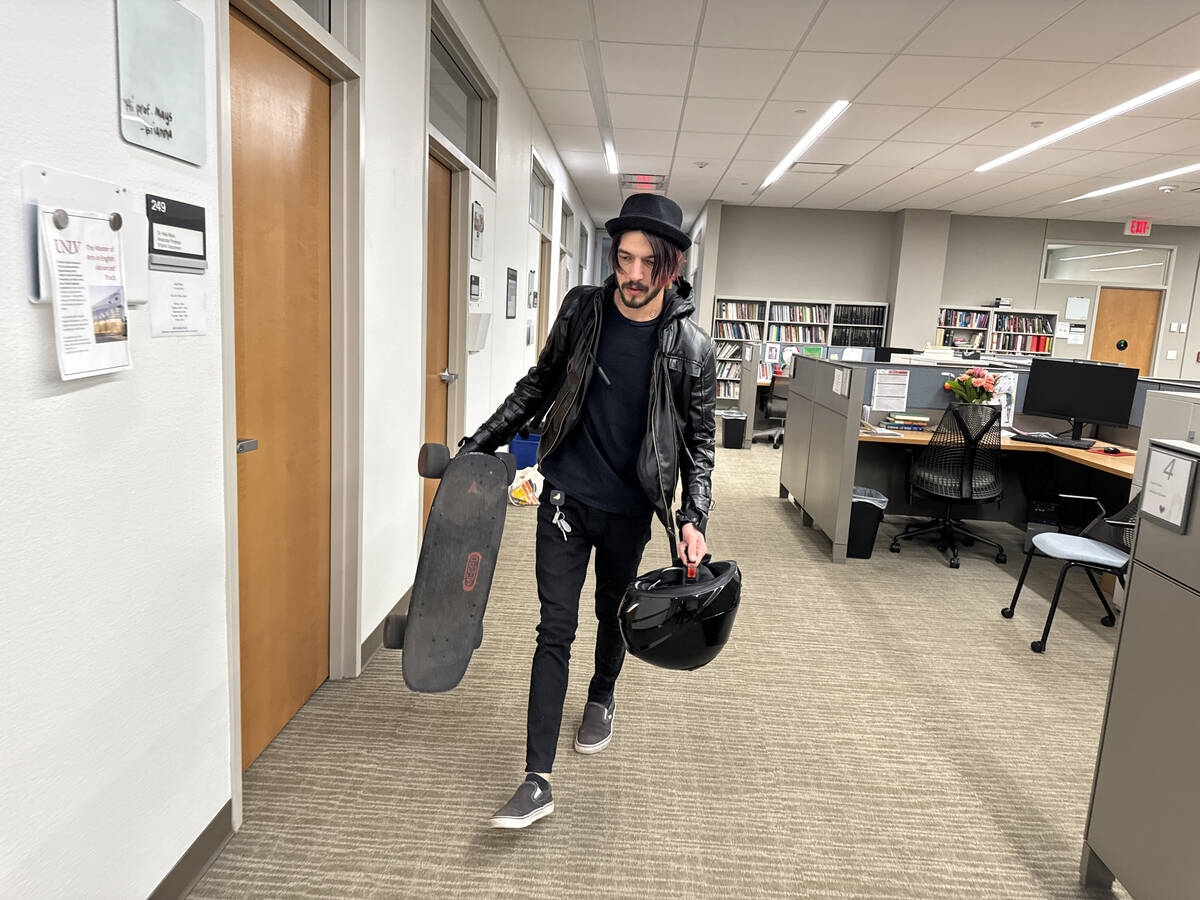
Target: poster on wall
[
  {"x": 81, "y": 254},
  {"x": 477, "y": 230},
  {"x": 510, "y": 306}
]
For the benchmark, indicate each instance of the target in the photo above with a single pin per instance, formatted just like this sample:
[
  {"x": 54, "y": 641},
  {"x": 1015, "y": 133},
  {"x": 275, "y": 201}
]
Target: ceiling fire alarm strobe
[{"x": 1139, "y": 227}]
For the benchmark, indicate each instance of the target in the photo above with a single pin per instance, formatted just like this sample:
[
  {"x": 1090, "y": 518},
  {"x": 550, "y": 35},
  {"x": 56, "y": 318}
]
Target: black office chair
[
  {"x": 774, "y": 407},
  {"x": 961, "y": 464},
  {"x": 1104, "y": 545}
]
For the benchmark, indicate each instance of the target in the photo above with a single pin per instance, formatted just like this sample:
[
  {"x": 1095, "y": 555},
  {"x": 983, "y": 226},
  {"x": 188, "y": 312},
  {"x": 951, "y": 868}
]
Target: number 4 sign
[{"x": 1167, "y": 496}]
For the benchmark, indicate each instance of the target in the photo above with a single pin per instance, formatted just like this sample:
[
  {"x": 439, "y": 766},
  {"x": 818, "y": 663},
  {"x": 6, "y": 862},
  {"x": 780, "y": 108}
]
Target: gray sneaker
[
  {"x": 530, "y": 803},
  {"x": 595, "y": 731}
]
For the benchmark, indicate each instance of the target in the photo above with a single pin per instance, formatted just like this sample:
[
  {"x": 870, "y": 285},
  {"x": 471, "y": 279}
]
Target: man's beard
[{"x": 644, "y": 298}]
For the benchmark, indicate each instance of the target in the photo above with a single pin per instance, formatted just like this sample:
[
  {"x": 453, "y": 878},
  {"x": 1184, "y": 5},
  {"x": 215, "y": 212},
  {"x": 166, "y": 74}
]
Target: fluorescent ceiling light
[
  {"x": 1138, "y": 183},
  {"x": 1114, "y": 268},
  {"x": 610, "y": 158},
  {"x": 805, "y": 142},
  {"x": 1140, "y": 100},
  {"x": 1094, "y": 255}
]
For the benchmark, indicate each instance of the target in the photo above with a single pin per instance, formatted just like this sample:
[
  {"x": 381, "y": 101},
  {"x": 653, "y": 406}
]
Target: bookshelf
[
  {"x": 965, "y": 327},
  {"x": 1022, "y": 331},
  {"x": 858, "y": 324},
  {"x": 739, "y": 319}
]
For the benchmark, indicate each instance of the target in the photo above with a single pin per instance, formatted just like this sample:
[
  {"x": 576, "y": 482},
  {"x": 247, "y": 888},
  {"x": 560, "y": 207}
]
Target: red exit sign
[{"x": 1137, "y": 226}]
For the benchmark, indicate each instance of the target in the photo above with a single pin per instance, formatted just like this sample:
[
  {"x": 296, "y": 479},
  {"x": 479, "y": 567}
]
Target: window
[
  {"x": 318, "y": 9},
  {"x": 455, "y": 107},
  {"x": 583, "y": 247},
  {"x": 1108, "y": 263},
  {"x": 540, "y": 196},
  {"x": 565, "y": 224}
]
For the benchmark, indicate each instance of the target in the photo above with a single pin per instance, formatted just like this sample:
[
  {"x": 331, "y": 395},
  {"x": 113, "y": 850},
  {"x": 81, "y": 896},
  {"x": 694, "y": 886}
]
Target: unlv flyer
[{"x": 82, "y": 262}]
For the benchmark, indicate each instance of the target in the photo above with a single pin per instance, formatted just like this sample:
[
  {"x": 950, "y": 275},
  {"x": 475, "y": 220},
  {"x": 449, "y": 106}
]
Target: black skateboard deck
[{"x": 454, "y": 572}]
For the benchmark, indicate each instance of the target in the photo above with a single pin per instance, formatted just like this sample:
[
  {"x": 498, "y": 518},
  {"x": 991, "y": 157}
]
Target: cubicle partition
[{"x": 825, "y": 401}]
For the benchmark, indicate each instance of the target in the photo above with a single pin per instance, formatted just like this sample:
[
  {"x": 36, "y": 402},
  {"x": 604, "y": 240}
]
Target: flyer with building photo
[{"x": 87, "y": 289}]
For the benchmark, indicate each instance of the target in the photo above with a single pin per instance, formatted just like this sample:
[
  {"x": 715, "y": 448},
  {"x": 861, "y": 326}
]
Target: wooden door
[
  {"x": 1126, "y": 314},
  {"x": 437, "y": 312},
  {"x": 280, "y": 133}
]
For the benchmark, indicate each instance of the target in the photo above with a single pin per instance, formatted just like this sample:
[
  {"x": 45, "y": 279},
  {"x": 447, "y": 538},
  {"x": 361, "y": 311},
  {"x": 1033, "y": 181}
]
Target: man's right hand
[{"x": 468, "y": 446}]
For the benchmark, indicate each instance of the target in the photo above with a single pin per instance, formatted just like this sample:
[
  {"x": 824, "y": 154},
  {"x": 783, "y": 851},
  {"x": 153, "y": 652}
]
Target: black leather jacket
[{"x": 680, "y": 438}]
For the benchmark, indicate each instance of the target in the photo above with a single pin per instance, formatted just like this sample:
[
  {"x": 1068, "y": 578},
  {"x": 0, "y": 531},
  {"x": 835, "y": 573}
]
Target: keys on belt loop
[{"x": 556, "y": 500}]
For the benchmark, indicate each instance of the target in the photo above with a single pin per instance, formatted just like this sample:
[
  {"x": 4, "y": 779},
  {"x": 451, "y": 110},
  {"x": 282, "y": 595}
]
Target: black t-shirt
[{"x": 597, "y": 460}]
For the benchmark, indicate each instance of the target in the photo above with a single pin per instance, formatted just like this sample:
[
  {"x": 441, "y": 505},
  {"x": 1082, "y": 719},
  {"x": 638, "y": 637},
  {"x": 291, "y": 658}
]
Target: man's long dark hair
[{"x": 668, "y": 259}]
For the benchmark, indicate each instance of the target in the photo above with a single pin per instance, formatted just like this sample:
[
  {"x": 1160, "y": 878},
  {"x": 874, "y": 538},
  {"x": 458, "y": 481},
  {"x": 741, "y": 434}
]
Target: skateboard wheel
[
  {"x": 510, "y": 465},
  {"x": 394, "y": 627},
  {"x": 432, "y": 460}
]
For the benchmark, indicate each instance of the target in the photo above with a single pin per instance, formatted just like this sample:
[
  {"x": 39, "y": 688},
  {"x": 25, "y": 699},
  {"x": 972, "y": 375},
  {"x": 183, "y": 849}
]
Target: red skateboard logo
[
  {"x": 471, "y": 575},
  {"x": 473, "y": 489}
]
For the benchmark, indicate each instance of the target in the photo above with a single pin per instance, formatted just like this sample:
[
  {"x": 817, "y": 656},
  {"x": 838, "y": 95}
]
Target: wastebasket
[
  {"x": 524, "y": 450},
  {"x": 866, "y": 512},
  {"x": 733, "y": 433}
]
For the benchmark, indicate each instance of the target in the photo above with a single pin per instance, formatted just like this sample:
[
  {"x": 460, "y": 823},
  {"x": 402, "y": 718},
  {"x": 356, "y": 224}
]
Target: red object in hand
[{"x": 691, "y": 572}]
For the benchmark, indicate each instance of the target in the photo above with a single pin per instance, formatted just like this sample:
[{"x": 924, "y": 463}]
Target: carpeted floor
[{"x": 873, "y": 729}]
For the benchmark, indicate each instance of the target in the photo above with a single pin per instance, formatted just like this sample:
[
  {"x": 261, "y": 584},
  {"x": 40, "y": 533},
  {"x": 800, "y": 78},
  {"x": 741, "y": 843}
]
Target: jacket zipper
[{"x": 592, "y": 339}]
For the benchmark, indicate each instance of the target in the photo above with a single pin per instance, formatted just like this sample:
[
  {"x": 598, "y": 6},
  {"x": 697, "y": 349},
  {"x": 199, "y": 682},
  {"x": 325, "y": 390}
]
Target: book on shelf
[
  {"x": 860, "y": 315},
  {"x": 729, "y": 349},
  {"x": 740, "y": 331},
  {"x": 1023, "y": 343},
  {"x": 796, "y": 334},
  {"x": 1025, "y": 323},
  {"x": 902, "y": 425},
  {"x": 856, "y": 336},
  {"x": 948, "y": 337},
  {"x": 963, "y": 318},
  {"x": 910, "y": 417},
  {"x": 802, "y": 313},
  {"x": 734, "y": 309}
]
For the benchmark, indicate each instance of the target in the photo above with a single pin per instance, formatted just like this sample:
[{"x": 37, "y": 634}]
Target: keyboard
[{"x": 1054, "y": 441}]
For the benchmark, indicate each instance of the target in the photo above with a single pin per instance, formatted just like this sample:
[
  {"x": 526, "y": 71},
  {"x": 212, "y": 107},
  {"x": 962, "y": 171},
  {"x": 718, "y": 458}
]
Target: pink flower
[
  {"x": 964, "y": 377},
  {"x": 978, "y": 382}
]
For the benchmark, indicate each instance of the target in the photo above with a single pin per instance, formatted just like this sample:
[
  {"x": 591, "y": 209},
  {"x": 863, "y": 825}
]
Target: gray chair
[
  {"x": 1104, "y": 545},
  {"x": 775, "y": 409}
]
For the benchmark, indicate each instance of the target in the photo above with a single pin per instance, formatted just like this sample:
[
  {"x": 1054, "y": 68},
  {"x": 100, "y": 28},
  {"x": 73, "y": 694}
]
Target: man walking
[{"x": 630, "y": 384}]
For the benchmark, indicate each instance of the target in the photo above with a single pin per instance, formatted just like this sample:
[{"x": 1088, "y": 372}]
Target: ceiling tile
[
  {"x": 1104, "y": 135},
  {"x": 548, "y": 64},
  {"x": 872, "y": 122},
  {"x": 901, "y": 153},
  {"x": 707, "y": 145},
  {"x": 769, "y": 24},
  {"x": 750, "y": 170},
  {"x": 734, "y": 191},
  {"x": 581, "y": 162},
  {"x": 645, "y": 164},
  {"x": 638, "y": 22},
  {"x": 1100, "y": 162},
  {"x": 576, "y": 137},
  {"x": 900, "y": 188},
  {"x": 654, "y": 143},
  {"x": 921, "y": 80},
  {"x": 968, "y": 156},
  {"x": 1018, "y": 129},
  {"x": 1011, "y": 84},
  {"x": 790, "y": 189},
  {"x": 789, "y": 117},
  {"x": 829, "y": 76},
  {"x": 985, "y": 27},
  {"x": 1178, "y": 47},
  {"x": 641, "y": 110},
  {"x": 1098, "y": 30},
  {"x": 1048, "y": 186},
  {"x": 852, "y": 183},
  {"x": 716, "y": 115},
  {"x": 767, "y": 147},
  {"x": 838, "y": 150},
  {"x": 1107, "y": 86},
  {"x": 564, "y": 107},
  {"x": 956, "y": 188},
  {"x": 688, "y": 181},
  {"x": 567, "y": 19},
  {"x": 637, "y": 69},
  {"x": 723, "y": 72},
  {"x": 1174, "y": 138},
  {"x": 873, "y": 26},
  {"x": 948, "y": 126}
]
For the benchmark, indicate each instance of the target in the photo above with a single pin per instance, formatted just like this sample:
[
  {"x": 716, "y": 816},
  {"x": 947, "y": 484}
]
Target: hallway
[{"x": 848, "y": 743}]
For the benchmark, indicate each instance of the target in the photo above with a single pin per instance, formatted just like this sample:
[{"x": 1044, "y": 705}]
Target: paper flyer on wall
[
  {"x": 1006, "y": 394},
  {"x": 890, "y": 393},
  {"x": 87, "y": 289},
  {"x": 177, "y": 304}
]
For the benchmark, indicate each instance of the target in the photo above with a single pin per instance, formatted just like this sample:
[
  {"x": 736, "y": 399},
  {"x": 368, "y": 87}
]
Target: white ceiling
[{"x": 712, "y": 93}]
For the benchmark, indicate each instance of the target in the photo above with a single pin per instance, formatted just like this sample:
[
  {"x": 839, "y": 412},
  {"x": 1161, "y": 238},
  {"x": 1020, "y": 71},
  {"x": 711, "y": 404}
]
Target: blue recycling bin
[{"x": 524, "y": 450}]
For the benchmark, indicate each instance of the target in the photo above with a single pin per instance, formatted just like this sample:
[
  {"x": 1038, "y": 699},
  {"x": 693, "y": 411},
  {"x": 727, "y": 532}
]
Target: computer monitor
[{"x": 1081, "y": 392}]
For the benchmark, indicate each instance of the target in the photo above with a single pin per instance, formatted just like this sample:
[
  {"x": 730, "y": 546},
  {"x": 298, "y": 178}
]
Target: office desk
[{"x": 1121, "y": 466}]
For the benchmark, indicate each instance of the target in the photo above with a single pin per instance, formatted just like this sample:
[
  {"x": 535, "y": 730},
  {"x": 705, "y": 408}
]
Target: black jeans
[{"x": 561, "y": 569}]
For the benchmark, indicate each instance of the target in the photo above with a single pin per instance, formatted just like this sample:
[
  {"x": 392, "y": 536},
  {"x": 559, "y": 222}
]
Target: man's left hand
[{"x": 692, "y": 548}]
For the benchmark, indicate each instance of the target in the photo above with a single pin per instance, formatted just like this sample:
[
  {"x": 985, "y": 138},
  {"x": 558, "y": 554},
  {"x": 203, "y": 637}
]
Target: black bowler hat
[{"x": 654, "y": 213}]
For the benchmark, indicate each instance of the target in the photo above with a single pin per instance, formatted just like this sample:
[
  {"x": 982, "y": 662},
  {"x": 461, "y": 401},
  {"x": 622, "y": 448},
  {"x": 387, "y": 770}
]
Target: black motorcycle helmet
[{"x": 676, "y": 623}]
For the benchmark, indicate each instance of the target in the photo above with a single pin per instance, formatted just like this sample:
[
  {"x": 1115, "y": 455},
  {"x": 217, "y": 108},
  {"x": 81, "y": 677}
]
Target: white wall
[
  {"x": 989, "y": 257},
  {"x": 114, "y": 710},
  {"x": 917, "y": 281}
]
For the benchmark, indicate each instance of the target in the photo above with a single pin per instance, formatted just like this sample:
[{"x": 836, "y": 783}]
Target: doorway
[
  {"x": 543, "y": 289},
  {"x": 1128, "y": 318},
  {"x": 280, "y": 137},
  {"x": 438, "y": 376}
]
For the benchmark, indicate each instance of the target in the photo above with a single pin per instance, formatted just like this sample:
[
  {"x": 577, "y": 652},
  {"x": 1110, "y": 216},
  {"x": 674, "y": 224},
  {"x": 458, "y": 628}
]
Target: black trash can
[
  {"x": 733, "y": 433},
  {"x": 866, "y": 512}
]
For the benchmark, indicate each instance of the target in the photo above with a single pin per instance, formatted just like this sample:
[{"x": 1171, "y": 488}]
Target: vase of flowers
[{"x": 973, "y": 386}]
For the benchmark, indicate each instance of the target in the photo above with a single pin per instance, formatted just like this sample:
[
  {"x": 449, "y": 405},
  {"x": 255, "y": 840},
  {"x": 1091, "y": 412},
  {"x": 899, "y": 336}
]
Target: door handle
[
  {"x": 448, "y": 376},
  {"x": 245, "y": 445}
]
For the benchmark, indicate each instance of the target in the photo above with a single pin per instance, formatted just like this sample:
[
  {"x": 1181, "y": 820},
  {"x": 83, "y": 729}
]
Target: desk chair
[
  {"x": 961, "y": 464},
  {"x": 1104, "y": 546},
  {"x": 774, "y": 407}
]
